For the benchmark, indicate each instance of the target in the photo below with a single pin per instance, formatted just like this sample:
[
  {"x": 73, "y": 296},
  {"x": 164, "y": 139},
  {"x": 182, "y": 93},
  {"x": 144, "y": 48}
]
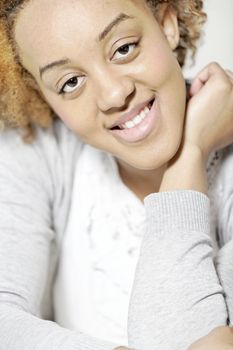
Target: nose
[{"x": 113, "y": 91}]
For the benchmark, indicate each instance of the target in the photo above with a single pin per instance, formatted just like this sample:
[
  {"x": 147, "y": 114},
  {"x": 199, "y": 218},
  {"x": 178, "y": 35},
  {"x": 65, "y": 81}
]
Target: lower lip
[{"x": 141, "y": 130}]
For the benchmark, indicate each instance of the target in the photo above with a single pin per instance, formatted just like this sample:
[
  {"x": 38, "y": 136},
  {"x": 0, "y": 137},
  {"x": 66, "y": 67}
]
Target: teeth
[
  {"x": 130, "y": 124},
  {"x": 142, "y": 114},
  {"x": 136, "y": 120}
]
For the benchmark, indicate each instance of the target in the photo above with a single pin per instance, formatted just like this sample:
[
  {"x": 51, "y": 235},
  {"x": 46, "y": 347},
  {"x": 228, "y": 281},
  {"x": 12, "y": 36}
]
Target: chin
[
  {"x": 153, "y": 161},
  {"x": 163, "y": 152}
]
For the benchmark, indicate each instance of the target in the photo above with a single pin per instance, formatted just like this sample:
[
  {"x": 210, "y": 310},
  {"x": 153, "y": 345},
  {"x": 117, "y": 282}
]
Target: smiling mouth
[{"x": 135, "y": 120}]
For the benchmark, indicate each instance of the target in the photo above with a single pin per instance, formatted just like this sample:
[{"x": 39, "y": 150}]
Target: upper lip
[{"x": 131, "y": 114}]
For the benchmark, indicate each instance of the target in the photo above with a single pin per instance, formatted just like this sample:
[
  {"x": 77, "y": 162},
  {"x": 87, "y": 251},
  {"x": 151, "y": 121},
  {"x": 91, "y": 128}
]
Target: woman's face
[{"x": 102, "y": 64}]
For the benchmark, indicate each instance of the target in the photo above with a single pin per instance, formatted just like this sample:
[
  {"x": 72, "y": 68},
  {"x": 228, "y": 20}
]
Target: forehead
[{"x": 57, "y": 24}]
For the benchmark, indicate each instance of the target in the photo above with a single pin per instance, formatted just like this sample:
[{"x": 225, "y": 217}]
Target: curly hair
[{"x": 21, "y": 103}]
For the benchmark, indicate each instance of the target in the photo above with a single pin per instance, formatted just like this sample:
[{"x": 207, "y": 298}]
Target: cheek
[
  {"x": 79, "y": 115},
  {"x": 65, "y": 114},
  {"x": 73, "y": 116},
  {"x": 167, "y": 75},
  {"x": 157, "y": 65},
  {"x": 161, "y": 72}
]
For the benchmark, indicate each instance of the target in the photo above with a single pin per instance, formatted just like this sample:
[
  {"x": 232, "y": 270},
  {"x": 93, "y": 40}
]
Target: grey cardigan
[{"x": 177, "y": 296}]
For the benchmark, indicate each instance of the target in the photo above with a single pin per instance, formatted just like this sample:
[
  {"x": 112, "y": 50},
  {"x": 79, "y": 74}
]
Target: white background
[{"x": 217, "y": 42}]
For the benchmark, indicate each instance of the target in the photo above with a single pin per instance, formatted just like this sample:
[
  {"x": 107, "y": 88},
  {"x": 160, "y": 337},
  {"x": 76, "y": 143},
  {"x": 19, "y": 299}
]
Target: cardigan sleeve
[
  {"x": 26, "y": 234},
  {"x": 177, "y": 297}
]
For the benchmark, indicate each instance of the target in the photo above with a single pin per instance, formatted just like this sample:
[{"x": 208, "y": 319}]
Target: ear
[{"x": 168, "y": 21}]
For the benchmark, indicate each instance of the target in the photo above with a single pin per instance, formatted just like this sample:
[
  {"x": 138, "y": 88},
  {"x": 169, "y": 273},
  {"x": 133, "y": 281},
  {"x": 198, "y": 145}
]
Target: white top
[{"x": 100, "y": 250}]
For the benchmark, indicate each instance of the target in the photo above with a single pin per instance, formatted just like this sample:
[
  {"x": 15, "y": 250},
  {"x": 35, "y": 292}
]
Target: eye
[
  {"x": 124, "y": 50},
  {"x": 71, "y": 85}
]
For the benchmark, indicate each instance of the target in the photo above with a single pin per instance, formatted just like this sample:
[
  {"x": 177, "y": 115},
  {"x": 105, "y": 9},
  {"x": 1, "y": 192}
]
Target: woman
[{"x": 111, "y": 72}]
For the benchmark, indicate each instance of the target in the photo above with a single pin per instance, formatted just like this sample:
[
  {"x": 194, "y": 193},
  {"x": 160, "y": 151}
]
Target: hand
[
  {"x": 209, "y": 116},
  {"x": 208, "y": 126},
  {"x": 221, "y": 338}
]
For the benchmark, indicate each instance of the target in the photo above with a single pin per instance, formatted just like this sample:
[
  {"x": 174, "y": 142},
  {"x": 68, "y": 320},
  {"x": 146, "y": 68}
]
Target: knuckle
[
  {"x": 215, "y": 65},
  {"x": 228, "y": 71}
]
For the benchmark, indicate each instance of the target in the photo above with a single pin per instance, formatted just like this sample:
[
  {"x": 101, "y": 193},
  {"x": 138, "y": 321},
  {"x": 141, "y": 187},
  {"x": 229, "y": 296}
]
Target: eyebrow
[
  {"x": 120, "y": 18},
  {"x": 52, "y": 65}
]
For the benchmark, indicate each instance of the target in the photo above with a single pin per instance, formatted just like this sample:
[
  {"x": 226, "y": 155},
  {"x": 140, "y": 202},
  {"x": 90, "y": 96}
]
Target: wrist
[{"x": 186, "y": 171}]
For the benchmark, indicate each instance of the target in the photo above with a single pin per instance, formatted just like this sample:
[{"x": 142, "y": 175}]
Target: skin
[
  {"x": 110, "y": 87},
  {"x": 208, "y": 127},
  {"x": 220, "y": 338},
  {"x": 111, "y": 83}
]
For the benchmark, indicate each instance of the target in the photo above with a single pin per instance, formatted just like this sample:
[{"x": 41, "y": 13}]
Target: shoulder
[
  {"x": 223, "y": 188},
  {"x": 53, "y": 139},
  {"x": 49, "y": 145},
  {"x": 47, "y": 160},
  {"x": 41, "y": 171}
]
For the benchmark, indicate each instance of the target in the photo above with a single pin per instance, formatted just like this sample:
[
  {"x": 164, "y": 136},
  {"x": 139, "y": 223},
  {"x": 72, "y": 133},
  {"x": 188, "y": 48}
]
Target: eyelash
[
  {"x": 62, "y": 92},
  {"x": 136, "y": 43}
]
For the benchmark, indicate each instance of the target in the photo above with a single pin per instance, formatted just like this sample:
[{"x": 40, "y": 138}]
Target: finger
[
  {"x": 230, "y": 74},
  {"x": 212, "y": 71}
]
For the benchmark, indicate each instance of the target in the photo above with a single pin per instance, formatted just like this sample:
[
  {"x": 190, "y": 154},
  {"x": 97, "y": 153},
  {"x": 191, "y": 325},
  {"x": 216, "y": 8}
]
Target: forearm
[
  {"x": 177, "y": 297},
  {"x": 21, "y": 330}
]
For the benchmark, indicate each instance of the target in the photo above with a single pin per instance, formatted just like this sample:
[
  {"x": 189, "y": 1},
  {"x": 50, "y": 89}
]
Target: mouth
[
  {"x": 134, "y": 118},
  {"x": 139, "y": 124}
]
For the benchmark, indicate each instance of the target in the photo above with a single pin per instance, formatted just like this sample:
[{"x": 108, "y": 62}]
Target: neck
[{"x": 141, "y": 182}]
